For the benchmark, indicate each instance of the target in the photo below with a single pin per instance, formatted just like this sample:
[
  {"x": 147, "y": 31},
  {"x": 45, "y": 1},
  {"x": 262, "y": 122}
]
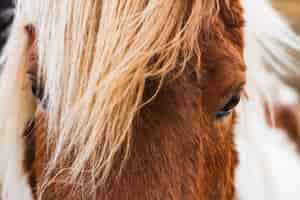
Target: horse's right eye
[
  {"x": 36, "y": 87},
  {"x": 228, "y": 107}
]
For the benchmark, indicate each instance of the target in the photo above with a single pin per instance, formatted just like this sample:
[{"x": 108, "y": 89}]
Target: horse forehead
[{"x": 223, "y": 64}]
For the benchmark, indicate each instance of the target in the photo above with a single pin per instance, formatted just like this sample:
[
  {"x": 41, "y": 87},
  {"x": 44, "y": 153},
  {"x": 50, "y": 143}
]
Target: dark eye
[
  {"x": 37, "y": 91},
  {"x": 229, "y": 106}
]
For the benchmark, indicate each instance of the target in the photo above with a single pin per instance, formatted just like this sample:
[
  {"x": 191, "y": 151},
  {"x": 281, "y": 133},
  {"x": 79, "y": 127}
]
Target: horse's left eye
[{"x": 229, "y": 106}]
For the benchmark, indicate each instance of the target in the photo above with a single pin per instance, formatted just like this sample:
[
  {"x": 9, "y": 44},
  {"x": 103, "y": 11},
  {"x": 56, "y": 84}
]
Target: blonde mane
[{"x": 96, "y": 56}]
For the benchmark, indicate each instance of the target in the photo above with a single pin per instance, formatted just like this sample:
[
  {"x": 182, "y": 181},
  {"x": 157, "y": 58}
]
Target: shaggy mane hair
[{"x": 95, "y": 58}]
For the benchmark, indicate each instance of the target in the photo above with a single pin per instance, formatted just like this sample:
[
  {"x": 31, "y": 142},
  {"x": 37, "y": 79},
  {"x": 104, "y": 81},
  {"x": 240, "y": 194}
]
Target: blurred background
[{"x": 291, "y": 10}]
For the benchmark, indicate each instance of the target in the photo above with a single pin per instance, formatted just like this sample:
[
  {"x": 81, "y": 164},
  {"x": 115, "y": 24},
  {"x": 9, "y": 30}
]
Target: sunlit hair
[{"x": 96, "y": 56}]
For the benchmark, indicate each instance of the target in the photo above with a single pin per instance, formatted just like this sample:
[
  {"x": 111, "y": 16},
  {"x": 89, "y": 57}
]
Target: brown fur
[
  {"x": 29, "y": 157},
  {"x": 287, "y": 118},
  {"x": 179, "y": 149}
]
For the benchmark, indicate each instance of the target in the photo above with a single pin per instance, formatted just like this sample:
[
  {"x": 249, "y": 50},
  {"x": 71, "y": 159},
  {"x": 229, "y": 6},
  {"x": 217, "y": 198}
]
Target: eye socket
[
  {"x": 36, "y": 89},
  {"x": 229, "y": 106}
]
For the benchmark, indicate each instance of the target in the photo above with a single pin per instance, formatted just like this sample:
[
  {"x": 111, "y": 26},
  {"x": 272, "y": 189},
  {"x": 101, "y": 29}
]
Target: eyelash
[
  {"x": 228, "y": 107},
  {"x": 231, "y": 104}
]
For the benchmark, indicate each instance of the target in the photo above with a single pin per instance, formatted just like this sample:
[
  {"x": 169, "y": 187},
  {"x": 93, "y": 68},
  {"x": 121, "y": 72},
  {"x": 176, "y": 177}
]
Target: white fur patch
[
  {"x": 269, "y": 163},
  {"x": 17, "y": 107},
  {"x": 15, "y": 183}
]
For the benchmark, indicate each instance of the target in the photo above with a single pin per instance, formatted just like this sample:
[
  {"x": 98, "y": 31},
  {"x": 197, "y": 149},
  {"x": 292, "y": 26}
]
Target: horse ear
[{"x": 17, "y": 108}]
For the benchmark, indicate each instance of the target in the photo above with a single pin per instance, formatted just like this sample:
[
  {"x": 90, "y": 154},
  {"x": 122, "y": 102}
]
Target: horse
[{"x": 139, "y": 99}]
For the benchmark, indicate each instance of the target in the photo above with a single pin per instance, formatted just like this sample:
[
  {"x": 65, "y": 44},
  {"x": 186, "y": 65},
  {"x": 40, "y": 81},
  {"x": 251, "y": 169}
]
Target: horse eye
[
  {"x": 229, "y": 106},
  {"x": 36, "y": 88}
]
